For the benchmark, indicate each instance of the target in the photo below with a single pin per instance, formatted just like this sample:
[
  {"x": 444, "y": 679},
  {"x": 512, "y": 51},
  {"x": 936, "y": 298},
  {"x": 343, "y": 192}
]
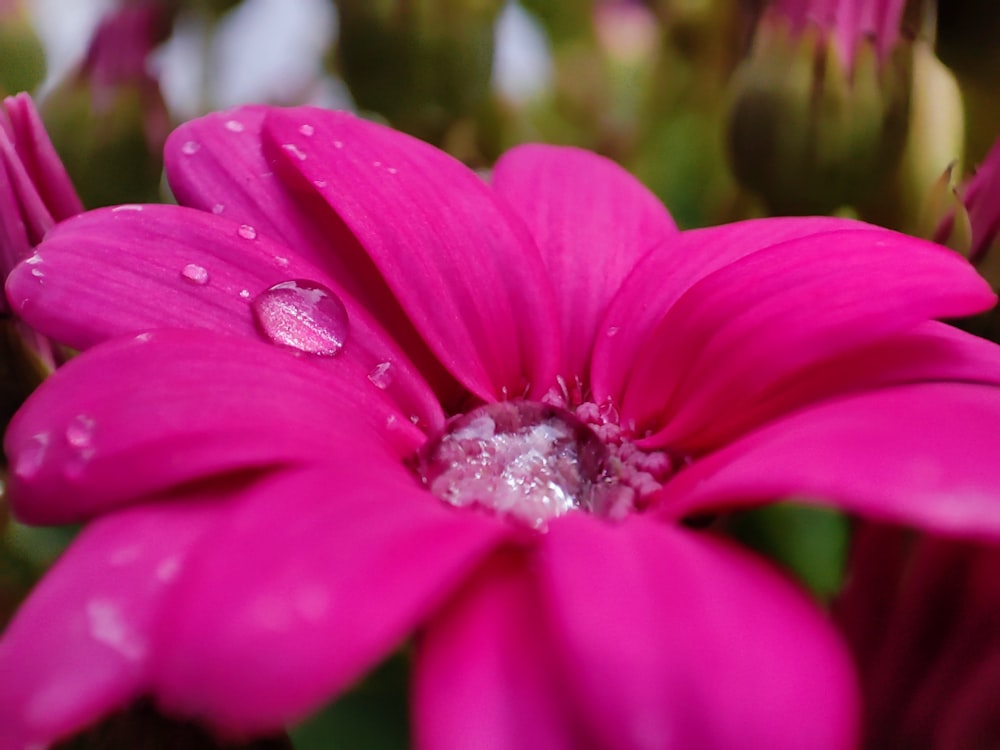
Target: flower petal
[
  {"x": 345, "y": 562},
  {"x": 919, "y": 454},
  {"x": 217, "y": 164},
  {"x": 142, "y": 415},
  {"x": 461, "y": 264},
  {"x": 131, "y": 268},
  {"x": 672, "y": 639},
  {"x": 668, "y": 271},
  {"x": 592, "y": 221},
  {"x": 756, "y": 323},
  {"x": 484, "y": 676},
  {"x": 79, "y": 647}
]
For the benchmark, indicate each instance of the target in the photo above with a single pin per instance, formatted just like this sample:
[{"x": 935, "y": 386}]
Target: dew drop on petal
[
  {"x": 38, "y": 273},
  {"x": 303, "y": 315},
  {"x": 381, "y": 375},
  {"x": 195, "y": 274},
  {"x": 294, "y": 151},
  {"x": 320, "y": 183},
  {"x": 247, "y": 232},
  {"x": 190, "y": 148},
  {"x": 127, "y": 207},
  {"x": 80, "y": 431},
  {"x": 281, "y": 261},
  {"x": 612, "y": 331},
  {"x": 392, "y": 170},
  {"x": 338, "y": 144},
  {"x": 218, "y": 208},
  {"x": 108, "y": 625},
  {"x": 244, "y": 294},
  {"x": 234, "y": 126},
  {"x": 307, "y": 129},
  {"x": 31, "y": 456}
]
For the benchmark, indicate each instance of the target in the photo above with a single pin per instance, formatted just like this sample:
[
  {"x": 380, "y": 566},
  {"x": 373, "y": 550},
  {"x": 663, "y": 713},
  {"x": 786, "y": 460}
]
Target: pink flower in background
[
  {"x": 922, "y": 615},
  {"x": 347, "y": 393},
  {"x": 846, "y": 22}
]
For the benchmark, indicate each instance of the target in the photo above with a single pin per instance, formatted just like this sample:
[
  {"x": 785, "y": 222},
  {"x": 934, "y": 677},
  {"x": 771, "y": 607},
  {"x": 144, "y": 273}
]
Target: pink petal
[
  {"x": 217, "y": 164},
  {"x": 312, "y": 582},
  {"x": 142, "y": 415},
  {"x": 462, "y": 266},
  {"x": 753, "y": 325},
  {"x": 668, "y": 271},
  {"x": 484, "y": 676},
  {"x": 675, "y": 639},
  {"x": 592, "y": 221},
  {"x": 919, "y": 454},
  {"x": 931, "y": 352},
  {"x": 79, "y": 647},
  {"x": 131, "y": 268}
]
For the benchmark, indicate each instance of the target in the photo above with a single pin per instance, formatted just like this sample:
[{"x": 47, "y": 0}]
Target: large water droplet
[
  {"x": 304, "y": 315},
  {"x": 195, "y": 274},
  {"x": 381, "y": 375},
  {"x": 529, "y": 461}
]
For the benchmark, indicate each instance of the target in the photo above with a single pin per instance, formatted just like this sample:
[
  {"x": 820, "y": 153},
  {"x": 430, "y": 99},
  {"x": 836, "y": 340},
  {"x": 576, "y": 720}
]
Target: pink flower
[
  {"x": 847, "y": 23},
  {"x": 921, "y": 614},
  {"x": 263, "y": 526}
]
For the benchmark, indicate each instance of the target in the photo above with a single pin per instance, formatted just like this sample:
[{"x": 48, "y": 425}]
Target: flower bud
[
  {"x": 423, "y": 65},
  {"x": 818, "y": 120}
]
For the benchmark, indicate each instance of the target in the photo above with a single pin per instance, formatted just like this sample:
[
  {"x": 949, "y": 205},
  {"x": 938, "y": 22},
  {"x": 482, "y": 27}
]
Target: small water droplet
[
  {"x": 38, "y": 273},
  {"x": 195, "y": 274},
  {"x": 307, "y": 130},
  {"x": 303, "y": 315},
  {"x": 247, "y": 232},
  {"x": 190, "y": 148},
  {"x": 338, "y": 144},
  {"x": 294, "y": 151},
  {"x": 376, "y": 164},
  {"x": 234, "y": 126},
  {"x": 613, "y": 331},
  {"x": 381, "y": 375},
  {"x": 31, "y": 456},
  {"x": 127, "y": 207},
  {"x": 391, "y": 170},
  {"x": 143, "y": 338},
  {"x": 281, "y": 261},
  {"x": 245, "y": 293},
  {"x": 80, "y": 432},
  {"x": 218, "y": 208},
  {"x": 34, "y": 260},
  {"x": 320, "y": 183}
]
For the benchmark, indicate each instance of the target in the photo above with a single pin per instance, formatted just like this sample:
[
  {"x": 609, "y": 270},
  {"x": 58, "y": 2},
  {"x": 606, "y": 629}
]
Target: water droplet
[
  {"x": 245, "y": 293},
  {"x": 143, "y": 338},
  {"x": 294, "y": 151},
  {"x": 307, "y": 130},
  {"x": 34, "y": 260},
  {"x": 195, "y": 274},
  {"x": 376, "y": 164},
  {"x": 31, "y": 456},
  {"x": 127, "y": 207},
  {"x": 391, "y": 170},
  {"x": 80, "y": 432},
  {"x": 303, "y": 315},
  {"x": 38, "y": 273},
  {"x": 190, "y": 148},
  {"x": 320, "y": 183},
  {"x": 338, "y": 144},
  {"x": 109, "y": 626},
  {"x": 247, "y": 232},
  {"x": 381, "y": 375},
  {"x": 234, "y": 126},
  {"x": 521, "y": 459},
  {"x": 612, "y": 331},
  {"x": 218, "y": 208},
  {"x": 281, "y": 261}
]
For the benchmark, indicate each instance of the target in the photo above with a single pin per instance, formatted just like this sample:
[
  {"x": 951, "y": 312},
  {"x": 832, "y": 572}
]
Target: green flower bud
[
  {"x": 811, "y": 132},
  {"x": 423, "y": 65}
]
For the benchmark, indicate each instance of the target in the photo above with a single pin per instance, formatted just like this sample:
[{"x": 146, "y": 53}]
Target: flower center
[{"x": 529, "y": 461}]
